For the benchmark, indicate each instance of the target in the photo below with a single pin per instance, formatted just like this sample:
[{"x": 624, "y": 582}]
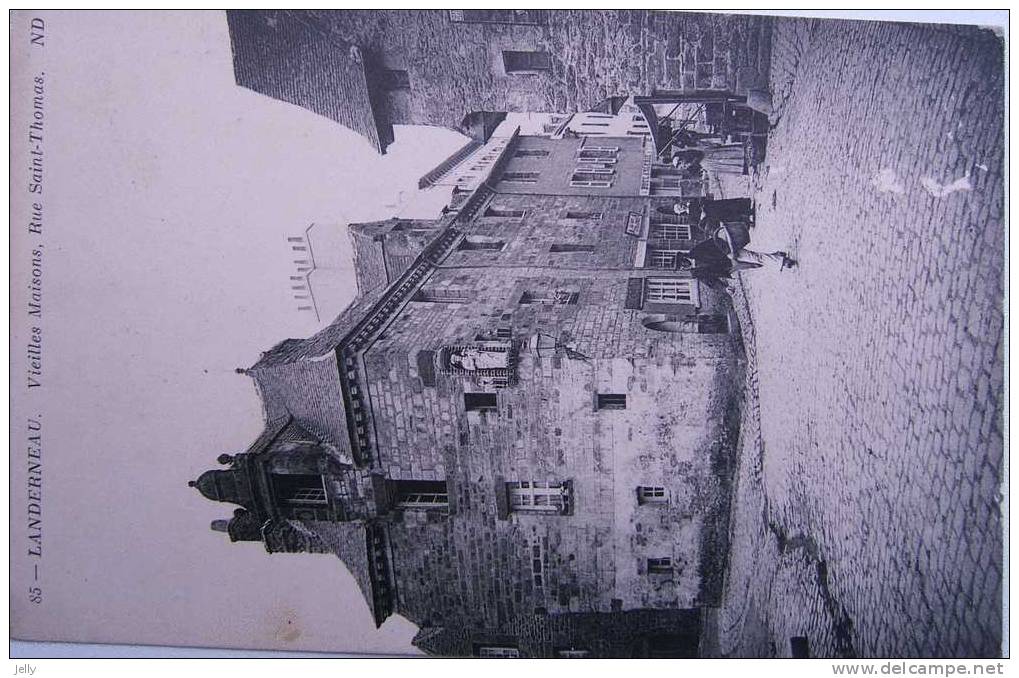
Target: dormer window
[{"x": 299, "y": 489}]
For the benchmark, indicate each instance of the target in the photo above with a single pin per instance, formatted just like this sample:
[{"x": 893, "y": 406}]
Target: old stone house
[
  {"x": 464, "y": 69},
  {"x": 518, "y": 436}
]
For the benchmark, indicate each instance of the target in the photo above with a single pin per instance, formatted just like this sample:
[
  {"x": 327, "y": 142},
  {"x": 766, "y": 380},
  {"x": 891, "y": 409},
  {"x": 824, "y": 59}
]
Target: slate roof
[
  {"x": 323, "y": 342},
  {"x": 349, "y": 541},
  {"x": 299, "y": 378},
  {"x": 436, "y": 174},
  {"x": 293, "y": 57}
]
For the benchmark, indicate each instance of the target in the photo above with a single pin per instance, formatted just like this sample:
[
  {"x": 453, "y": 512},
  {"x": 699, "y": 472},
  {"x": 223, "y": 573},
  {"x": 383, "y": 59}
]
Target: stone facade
[
  {"x": 519, "y": 437},
  {"x": 369, "y": 70}
]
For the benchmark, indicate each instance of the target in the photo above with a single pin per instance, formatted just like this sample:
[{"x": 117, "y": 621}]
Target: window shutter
[
  {"x": 634, "y": 294},
  {"x": 426, "y": 367}
]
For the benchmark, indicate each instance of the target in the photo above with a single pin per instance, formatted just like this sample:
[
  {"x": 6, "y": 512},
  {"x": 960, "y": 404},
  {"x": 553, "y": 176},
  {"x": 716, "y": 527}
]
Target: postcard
[{"x": 508, "y": 333}]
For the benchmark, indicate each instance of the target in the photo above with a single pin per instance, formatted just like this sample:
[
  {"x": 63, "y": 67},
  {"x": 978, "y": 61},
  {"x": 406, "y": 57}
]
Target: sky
[{"x": 169, "y": 195}]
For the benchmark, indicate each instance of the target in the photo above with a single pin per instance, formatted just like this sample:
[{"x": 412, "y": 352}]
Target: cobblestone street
[{"x": 866, "y": 512}]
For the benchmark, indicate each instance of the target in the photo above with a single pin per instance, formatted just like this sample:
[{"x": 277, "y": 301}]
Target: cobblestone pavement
[{"x": 866, "y": 511}]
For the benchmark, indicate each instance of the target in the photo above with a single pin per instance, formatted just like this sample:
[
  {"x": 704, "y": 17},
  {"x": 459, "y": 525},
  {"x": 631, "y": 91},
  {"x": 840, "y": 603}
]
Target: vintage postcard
[{"x": 508, "y": 333}]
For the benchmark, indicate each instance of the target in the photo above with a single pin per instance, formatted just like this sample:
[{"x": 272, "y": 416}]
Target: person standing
[{"x": 711, "y": 261}]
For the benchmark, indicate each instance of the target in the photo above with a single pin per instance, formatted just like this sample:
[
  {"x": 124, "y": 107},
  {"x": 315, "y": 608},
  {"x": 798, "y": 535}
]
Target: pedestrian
[
  {"x": 688, "y": 163},
  {"x": 717, "y": 158},
  {"x": 710, "y": 260}
]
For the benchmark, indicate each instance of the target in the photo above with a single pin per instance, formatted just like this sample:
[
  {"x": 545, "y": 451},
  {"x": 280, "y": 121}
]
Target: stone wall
[
  {"x": 556, "y": 169},
  {"x": 456, "y": 68},
  {"x": 477, "y": 563}
]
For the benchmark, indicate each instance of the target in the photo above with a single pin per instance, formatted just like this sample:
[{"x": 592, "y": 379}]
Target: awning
[{"x": 662, "y": 134}]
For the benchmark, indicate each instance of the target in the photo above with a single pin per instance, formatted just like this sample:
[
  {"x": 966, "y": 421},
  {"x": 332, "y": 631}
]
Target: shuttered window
[{"x": 526, "y": 62}]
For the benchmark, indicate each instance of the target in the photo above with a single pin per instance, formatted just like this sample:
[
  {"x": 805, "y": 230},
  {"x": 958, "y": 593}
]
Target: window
[
  {"x": 537, "y": 563},
  {"x": 592, "y": 178},
  {"x": 421, "y": 494},
  {"x": 676, "y": 213},
  {"x": 671, "y": 290},
  {"x": 442, "y": 295},
  {"x": 652, "y": 494},
  {"x": 689, "y": 188},
  {"x": 526, "y": 62},
  {"x": 660, "y": 258},
  {"x": 659, "y": 565},
  {"x": 498, "y": 651},
  {"x": 472, "y": 242},
  {"x": 595, "y": 124},
  {"x": 531, "y": 153},
  {"x": 634, "y": 293},
  {"x": 500, "y": 213},
  {"x": 394, "y": 79},
  {"x": 611, "y": 401},
  {"x": 582, "y": 183},
  {"x": 520, "y": 177},
  {"x": 538, "y": 496},
  {"x": 584, "y": 215},
  {"x": 424, "y": 500},
  {"x": 597, "y": 153},
  {"x": 298, "y": 488},
  {"x": 662, "y": 231},
  {"x": 592, "y": 169},
  {"x": 479, "y": 402},
  {"x": 570, "y": 247},
  {"x": 491, "y": 359},
  {"x": 553, "y": 297}
]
